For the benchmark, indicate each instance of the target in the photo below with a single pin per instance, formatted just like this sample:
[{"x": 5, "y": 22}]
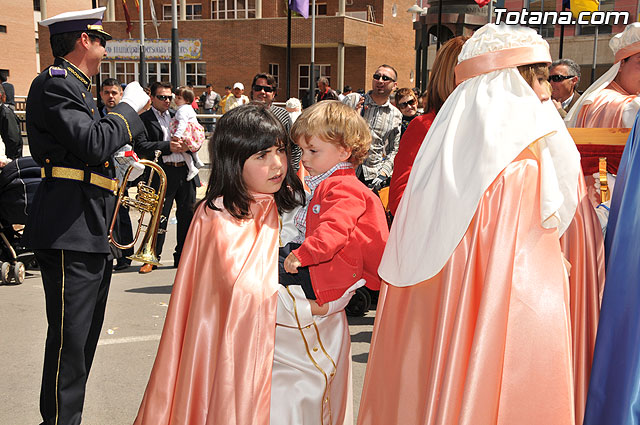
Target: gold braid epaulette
[{"x": 125, "y": 123}]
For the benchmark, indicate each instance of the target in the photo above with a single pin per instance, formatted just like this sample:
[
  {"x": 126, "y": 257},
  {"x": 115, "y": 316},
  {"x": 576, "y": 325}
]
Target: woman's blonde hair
[{"x": 334, "y": 122}]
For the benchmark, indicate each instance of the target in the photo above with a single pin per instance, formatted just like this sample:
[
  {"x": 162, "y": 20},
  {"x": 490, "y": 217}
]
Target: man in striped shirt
[
  {"x": 264, "y": 90},
  {"x": 384, "y": 121}
]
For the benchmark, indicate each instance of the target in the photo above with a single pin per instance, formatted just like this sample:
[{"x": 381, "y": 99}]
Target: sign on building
[{"x": 160, "y": 49}]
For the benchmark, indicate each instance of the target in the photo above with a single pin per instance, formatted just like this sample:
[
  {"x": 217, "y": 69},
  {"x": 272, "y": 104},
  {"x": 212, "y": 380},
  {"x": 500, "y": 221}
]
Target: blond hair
[
  {"x": 333, "y": 122},
  {"x": 533, "y": 71}
]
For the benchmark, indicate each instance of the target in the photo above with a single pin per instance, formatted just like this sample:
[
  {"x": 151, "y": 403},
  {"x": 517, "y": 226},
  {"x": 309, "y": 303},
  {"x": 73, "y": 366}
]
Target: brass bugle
[{"x": 148, "y": 200}]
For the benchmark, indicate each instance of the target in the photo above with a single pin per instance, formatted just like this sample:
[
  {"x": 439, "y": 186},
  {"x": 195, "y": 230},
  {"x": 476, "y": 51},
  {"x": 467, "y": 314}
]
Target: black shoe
[{"x": 121, "y": 266}]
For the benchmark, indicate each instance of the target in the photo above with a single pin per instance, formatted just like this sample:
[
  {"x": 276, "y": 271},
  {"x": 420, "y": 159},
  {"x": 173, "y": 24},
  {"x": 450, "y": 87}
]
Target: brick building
[{"x": 220, "y": 46}]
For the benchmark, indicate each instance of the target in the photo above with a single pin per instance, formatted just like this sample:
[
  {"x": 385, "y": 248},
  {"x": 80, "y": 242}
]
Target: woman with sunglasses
[{"x": 407, "y": 103}]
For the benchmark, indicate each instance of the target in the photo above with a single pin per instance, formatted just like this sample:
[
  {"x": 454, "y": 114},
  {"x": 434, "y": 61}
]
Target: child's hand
[
  {"x": 318, "y": 310},
  {"x": 291, "y": 264}
]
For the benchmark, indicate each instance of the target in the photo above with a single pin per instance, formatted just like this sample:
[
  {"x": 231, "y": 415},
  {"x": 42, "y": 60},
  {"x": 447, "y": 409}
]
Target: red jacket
[
  {"x": 345, "y": 237},
  {"x": 409, "y": 146}
]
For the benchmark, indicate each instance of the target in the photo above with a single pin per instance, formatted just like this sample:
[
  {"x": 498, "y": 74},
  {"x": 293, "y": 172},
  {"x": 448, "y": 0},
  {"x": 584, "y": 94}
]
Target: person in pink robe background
[{"x": 492, "y": 266}]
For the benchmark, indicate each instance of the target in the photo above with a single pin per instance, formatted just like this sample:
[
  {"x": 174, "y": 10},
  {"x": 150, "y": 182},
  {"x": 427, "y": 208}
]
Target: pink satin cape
[
  {"x": 488, "y": 339},
  {"x": 216, "y": 352},
  {"x": 583, "y": 246},
  {"x": 607, "y": 108}
]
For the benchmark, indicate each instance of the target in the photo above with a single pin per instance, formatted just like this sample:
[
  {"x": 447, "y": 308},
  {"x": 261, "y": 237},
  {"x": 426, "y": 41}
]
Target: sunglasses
[
  {"x": 407, "y": 103},
  {"x": 163, "y": 98},
  {"x": 384, "y": 78},
  {"x": 102, "y": 41},
  {"x": 558, "y": 78},
  {"x": 267, "y": 89}
]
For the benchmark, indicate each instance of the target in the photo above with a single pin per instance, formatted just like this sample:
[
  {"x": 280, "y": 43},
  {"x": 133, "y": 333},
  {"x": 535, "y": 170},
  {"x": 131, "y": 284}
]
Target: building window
[
  {"x": 194, "y": 11},
  {"x": 3, "y": 28},
  {"x": 105, "y": 70},
  {"x": 126, "y": 72},
  {"x": 158, "y": 71},
  {"x": 196, "y": 73},
  {"x": 303, "y": 77},
  {"x": 274, "y": 69},
  {"x": 605, "y": 27},
  {"x": 321, "y": 9},
  {"x": 233, "y": 9},
  {"x": 36, "y": 5}
]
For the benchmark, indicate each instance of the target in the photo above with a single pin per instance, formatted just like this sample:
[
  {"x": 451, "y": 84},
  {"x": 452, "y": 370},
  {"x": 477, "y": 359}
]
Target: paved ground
[{"x": 135, "y": 315}]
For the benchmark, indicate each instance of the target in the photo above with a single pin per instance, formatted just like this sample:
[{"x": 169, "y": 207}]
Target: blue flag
[
  {"x": 300, "y": 6},
  {"x": 614, "y": 388}
]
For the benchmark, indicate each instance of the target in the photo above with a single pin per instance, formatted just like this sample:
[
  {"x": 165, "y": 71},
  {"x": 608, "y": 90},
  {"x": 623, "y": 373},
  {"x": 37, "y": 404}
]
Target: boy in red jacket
[{"x": 342, "y": 229}]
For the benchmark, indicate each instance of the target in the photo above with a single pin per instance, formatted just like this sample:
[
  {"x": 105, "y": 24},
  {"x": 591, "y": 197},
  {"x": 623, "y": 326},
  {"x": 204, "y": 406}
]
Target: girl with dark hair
[{"x": 214, "y": 361}]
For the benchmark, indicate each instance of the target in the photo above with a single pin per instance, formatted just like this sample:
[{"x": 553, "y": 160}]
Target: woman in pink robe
[
  {"x": 214, "y": 361},
  {"x": 476, "y": 324}
]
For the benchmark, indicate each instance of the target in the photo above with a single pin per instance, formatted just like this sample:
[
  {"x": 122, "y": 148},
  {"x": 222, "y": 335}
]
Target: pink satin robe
[
  {"x": 606, "y": 109},
  {"x": 216, "y": 352},
  {"x": 488, "y": 340}
]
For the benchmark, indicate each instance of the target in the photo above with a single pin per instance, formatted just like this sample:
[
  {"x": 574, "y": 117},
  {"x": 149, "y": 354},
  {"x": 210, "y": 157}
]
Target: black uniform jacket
[
  {"x": 65, "y": 130},
  {"x": 152, "y": 140}
]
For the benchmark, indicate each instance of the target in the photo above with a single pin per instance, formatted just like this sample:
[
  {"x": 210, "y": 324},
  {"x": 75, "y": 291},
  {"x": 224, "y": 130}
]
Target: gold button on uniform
[
  {"x": 92, "y": 110},
  {"x": 315, "y": 348},
  {"x": 47, "y": 160},
  {"x": 106, "y": 164},
  {"x": 83, "y": 95}
]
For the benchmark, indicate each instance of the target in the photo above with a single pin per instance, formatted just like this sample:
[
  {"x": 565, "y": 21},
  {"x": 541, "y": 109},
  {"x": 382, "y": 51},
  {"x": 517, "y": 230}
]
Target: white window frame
[
  {"x": 320, "y": 70},
  {"x": 274, "y": 69},
  {"x": 318, "y": 6},
  {"x": 198, "y": 74},
  {"x": 158, "y": 74},
  {"x": 247, "y": 9},
  {"x": 127, "y": 75},
  {"x": 105, "y": 75},
  {"x": 190, "y": 14}
]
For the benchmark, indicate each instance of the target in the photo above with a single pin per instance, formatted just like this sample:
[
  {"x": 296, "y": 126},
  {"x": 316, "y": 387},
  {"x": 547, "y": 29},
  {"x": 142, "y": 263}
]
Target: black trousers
[
  {"x": 76, "y": 285},
  {"x": 183, "y": 192},
  {"x": 302, "y": 278}
]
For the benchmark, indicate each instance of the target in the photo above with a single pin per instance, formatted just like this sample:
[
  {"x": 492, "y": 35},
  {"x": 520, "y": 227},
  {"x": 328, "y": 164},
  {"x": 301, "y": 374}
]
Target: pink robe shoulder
[
  {"x": 488, "y": 339},
  {"x": 216, "y": 352},
  {"x": 606, "y": 110}
]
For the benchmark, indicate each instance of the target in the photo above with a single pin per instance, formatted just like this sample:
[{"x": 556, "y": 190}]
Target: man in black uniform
[{"x": 72, "y": 209}]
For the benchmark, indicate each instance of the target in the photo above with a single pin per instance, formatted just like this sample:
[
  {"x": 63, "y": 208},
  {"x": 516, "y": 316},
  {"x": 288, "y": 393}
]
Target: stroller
[{"x": 18, "y": 183}]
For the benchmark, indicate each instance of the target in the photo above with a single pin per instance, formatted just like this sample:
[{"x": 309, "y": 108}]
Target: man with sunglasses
[
  {"x": 384, "y": 121},
  {"x": 264, "y": 90},
  {"x": 72, "y": 209},
  {"x": 564, "y": 76},
  {"x": 158, "y": 137}
]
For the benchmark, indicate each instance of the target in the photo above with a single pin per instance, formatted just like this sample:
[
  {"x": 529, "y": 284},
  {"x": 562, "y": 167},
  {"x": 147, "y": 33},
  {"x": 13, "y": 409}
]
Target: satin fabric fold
[
  {"x": 311, "y": 379},
  {"x": 215, "y": 356},
  {"x": 614, "y": 389},
  {"x": 487, "y": 340},
  {"x": 583, "y": 246}
]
